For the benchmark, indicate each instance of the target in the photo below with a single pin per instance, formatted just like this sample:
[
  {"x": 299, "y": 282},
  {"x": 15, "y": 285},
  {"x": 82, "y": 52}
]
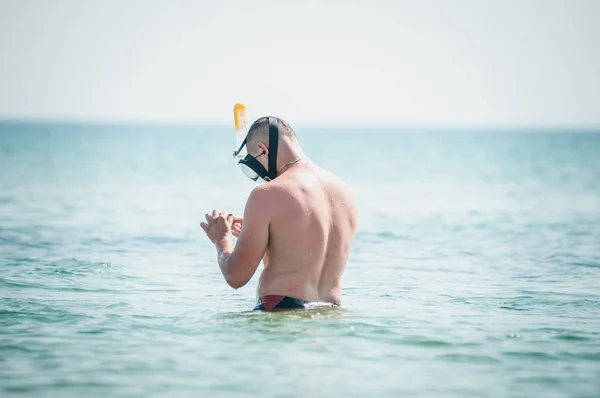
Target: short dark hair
[{"x": 259, "y": 131}]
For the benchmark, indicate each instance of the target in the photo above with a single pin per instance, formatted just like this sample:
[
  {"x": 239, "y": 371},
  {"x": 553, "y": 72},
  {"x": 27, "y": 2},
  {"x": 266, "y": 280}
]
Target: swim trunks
[{"x": 269, "y": 303}]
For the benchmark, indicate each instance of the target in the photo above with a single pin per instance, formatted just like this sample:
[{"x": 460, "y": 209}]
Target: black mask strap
[
  {"x": 273, "y": 146},
  {"x": 235, "y": 153}
]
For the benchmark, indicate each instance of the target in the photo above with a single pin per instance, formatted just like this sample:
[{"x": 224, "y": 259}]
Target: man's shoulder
[
  {"x": 266, "y": 200},
  {"x": 268, "y": 192}
]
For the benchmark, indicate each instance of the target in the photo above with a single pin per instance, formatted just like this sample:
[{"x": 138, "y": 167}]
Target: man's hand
[
  {"x": 218, "y": 225},
  {"x": 238, "y": 261},
  {"x": 236, "y": 225}
]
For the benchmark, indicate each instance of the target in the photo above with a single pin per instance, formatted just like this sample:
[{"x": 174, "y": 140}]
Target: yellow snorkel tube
[{"x": 240, "y": 120}]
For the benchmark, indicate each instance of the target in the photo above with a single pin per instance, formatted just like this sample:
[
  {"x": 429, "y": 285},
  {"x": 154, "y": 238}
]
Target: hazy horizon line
[{"x": 220, "y": 124}]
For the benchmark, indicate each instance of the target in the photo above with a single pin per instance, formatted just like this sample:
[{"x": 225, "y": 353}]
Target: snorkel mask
[{"x": 252, "y": 167}]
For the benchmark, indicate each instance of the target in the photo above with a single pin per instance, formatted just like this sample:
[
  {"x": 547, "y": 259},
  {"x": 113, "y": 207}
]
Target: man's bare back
[
  {"x": 301, "y": 224},
  {"x": 312, "y": 224}
]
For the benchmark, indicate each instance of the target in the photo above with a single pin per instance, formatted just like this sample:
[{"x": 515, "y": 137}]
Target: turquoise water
[{"x": 475, "y": 270}]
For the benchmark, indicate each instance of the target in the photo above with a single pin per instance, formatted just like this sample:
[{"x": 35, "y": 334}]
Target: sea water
[{"x": 475, "y": 270}]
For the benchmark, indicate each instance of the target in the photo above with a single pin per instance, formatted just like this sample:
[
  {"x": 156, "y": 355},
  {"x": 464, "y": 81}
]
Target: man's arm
[{"x": 239, "y": 263}]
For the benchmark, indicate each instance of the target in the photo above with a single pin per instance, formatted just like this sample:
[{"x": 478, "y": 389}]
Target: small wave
[
  {"x": 7, "y": 201},
  {"x": 530, "y": 355},
  {"x": 468, "y": 358},
  {"x": 545, "y": 380},
  {"x": 570, "y": 337},
  {"x": 588, "y": 356},
  {"x": 513, "y": 307},
  {"x": 160, "y": 240},
  {"x": 426, "y": 342},
  {"x": 15, "y": 347},
  {"x": 590, "y": 265}
]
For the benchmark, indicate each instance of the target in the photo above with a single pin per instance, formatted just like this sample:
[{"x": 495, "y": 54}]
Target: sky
[{"x": 461, "y": 63}]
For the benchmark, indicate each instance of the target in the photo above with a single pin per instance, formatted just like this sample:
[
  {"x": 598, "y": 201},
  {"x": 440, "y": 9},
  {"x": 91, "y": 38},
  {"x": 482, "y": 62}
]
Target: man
[{"x": 301, "y": 223}]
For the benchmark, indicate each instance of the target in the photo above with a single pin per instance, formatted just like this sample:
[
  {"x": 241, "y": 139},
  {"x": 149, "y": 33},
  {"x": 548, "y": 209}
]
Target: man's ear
[{"x": 263, "y": 148}]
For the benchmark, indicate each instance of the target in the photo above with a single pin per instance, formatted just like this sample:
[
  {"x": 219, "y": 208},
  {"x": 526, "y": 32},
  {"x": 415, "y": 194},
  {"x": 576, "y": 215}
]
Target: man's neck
[{"x": 288, "y": 158}]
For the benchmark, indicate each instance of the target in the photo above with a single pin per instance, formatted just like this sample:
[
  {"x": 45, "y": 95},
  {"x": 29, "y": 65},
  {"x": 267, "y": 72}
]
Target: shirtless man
[{"x": 301, "y": 223}]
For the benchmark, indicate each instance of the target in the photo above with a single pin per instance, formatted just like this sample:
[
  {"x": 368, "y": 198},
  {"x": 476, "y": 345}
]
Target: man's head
[
  {"x": 270, "y": 142},
  {"x": 258, "y": 136}
]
